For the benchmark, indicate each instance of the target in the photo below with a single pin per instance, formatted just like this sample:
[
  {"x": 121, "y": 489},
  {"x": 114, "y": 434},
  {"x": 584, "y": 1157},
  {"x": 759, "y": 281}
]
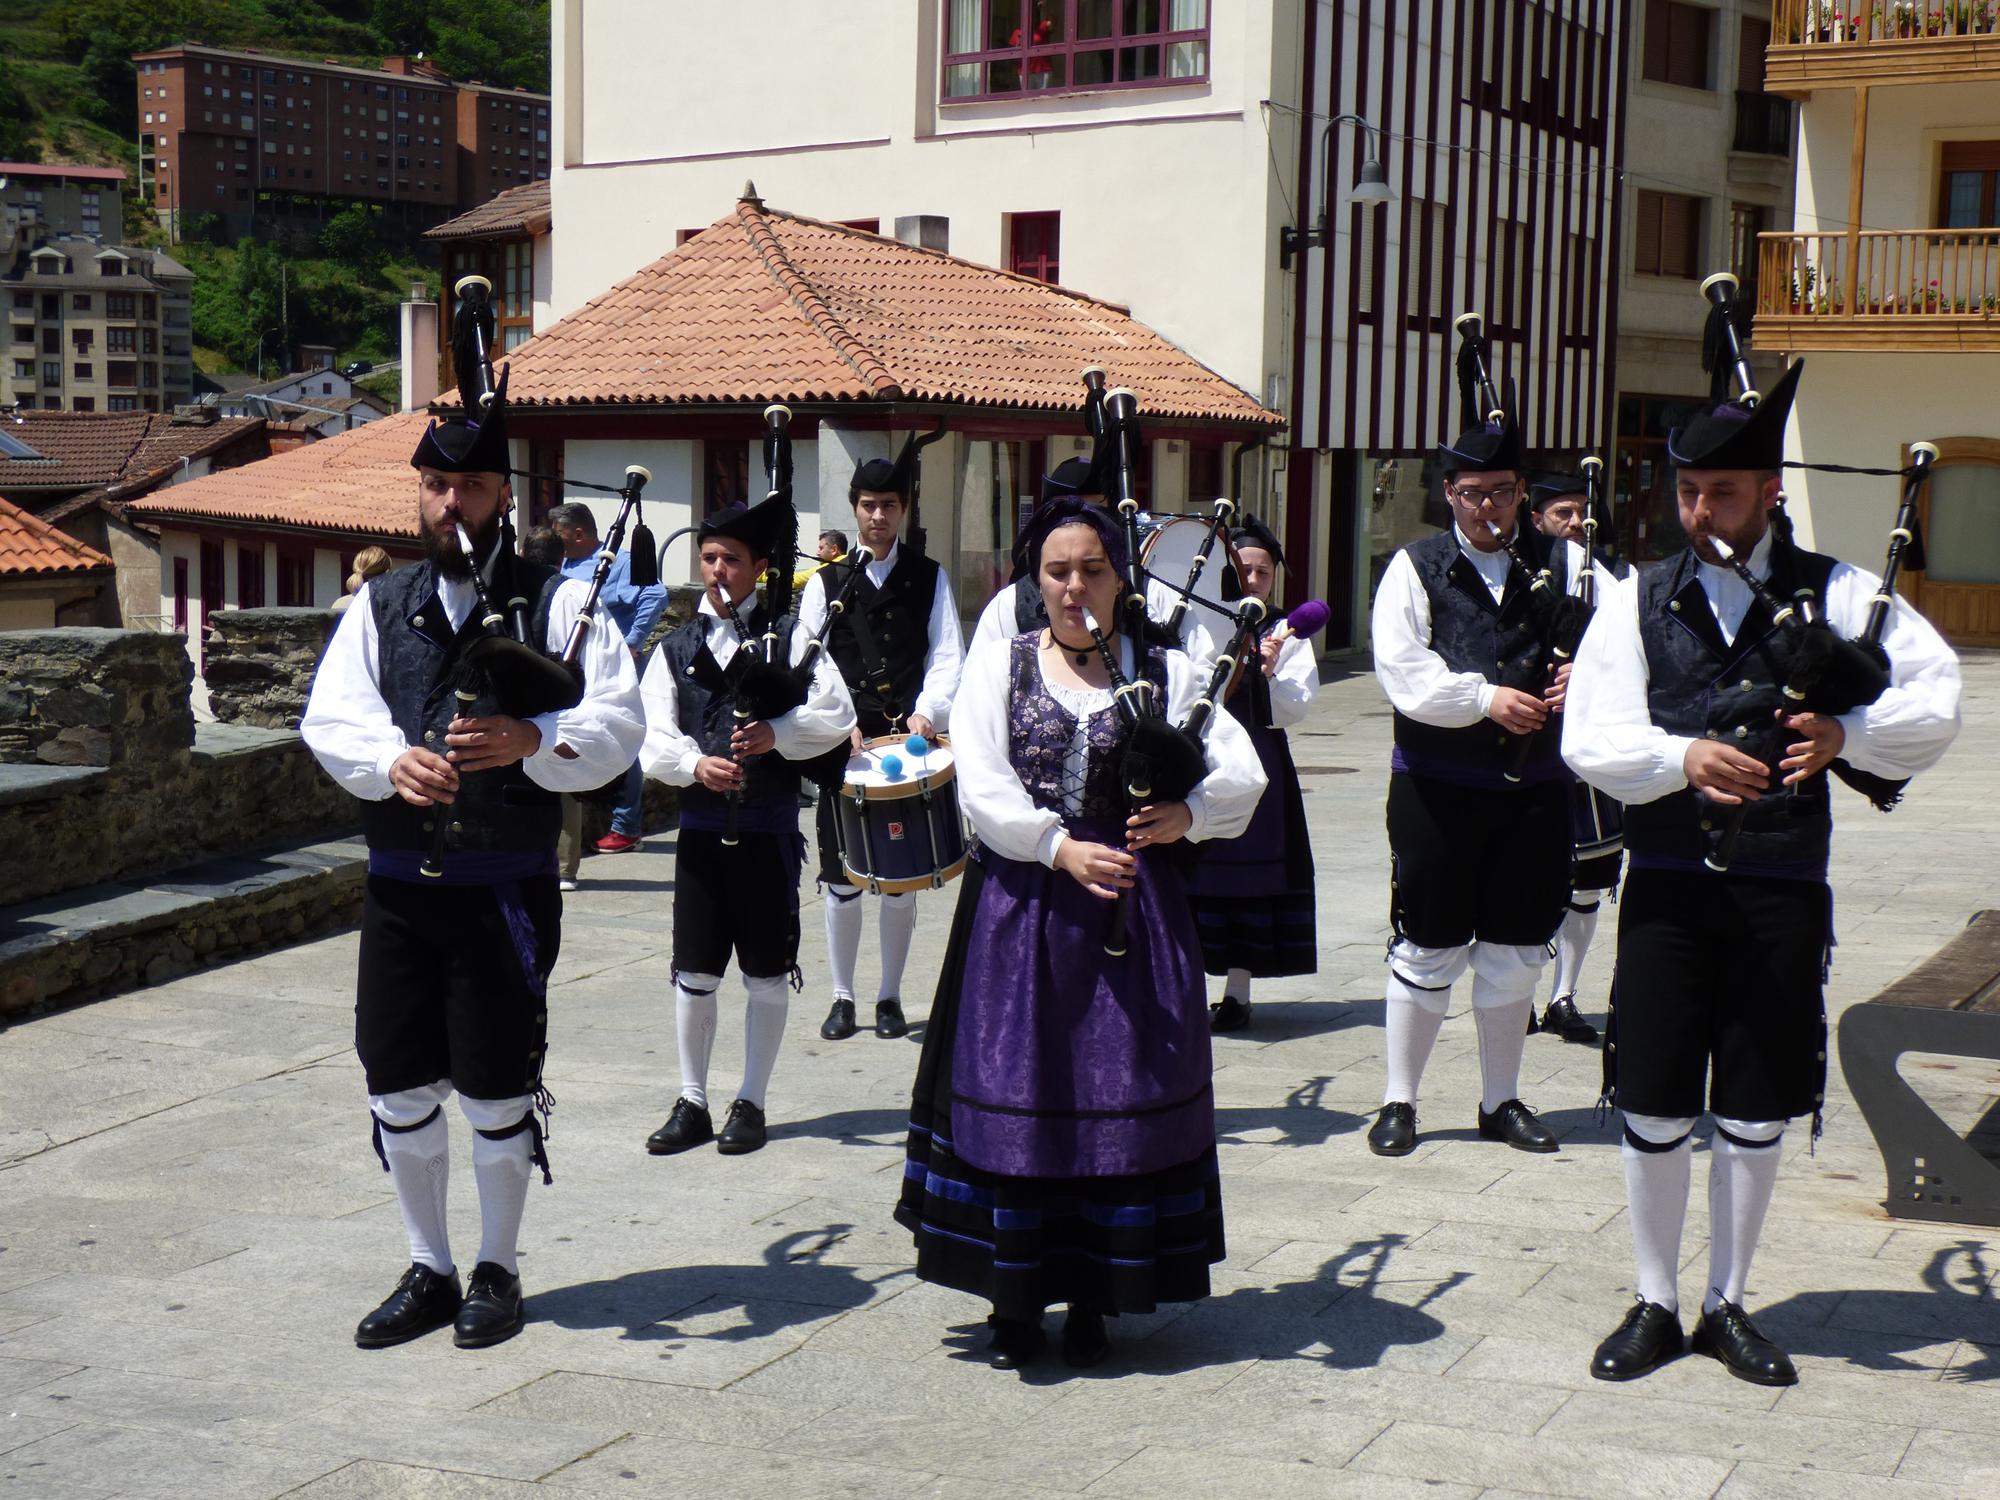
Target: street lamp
[{"x": 1371, "y": 185}]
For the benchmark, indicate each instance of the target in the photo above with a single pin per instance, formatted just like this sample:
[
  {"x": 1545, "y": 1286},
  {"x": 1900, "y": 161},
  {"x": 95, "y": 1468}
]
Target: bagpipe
[
  {"x": 762, "y": 682},
  {"x": 504, "y": 664},
  {"x": 1828, "y": 673},
  {"x": 1563, "y": 615}
]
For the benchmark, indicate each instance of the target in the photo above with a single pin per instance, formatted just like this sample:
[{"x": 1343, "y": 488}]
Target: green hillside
[
  {"x": 67, "y": 94},
  {"x": 67, "y": 89}
]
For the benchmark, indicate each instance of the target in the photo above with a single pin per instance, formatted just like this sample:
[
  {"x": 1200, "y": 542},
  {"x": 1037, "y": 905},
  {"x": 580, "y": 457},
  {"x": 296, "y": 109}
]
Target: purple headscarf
[{"x": 1068, "y": 511}]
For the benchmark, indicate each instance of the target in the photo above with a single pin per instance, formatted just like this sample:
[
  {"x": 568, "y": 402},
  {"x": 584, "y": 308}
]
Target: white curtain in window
[
  {"x": 964, "y": 35},
  {"x": 1186, "y": 15}
]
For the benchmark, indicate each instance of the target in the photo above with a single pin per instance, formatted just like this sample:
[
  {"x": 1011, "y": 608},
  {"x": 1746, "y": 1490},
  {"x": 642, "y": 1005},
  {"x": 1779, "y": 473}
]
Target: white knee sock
[
  {"x": 1572, "y": 943},
  {"x": 1411, "y": 1019},
  {"x": 763, "y": 1031},
  {"x": 843, "y": 936},
  {"x": 502, "y": 1170},
  {"x": 1238, "y": 985},
  {"x": 898, "y": 925},
  {"x": 1741, "y": 1180},
  {"x": 1502, "y": 1022},
  {"x": 1656, "y": 1196},
  {"x": 694, "y": 1029},
  {"x": 420, "y": 1167}
]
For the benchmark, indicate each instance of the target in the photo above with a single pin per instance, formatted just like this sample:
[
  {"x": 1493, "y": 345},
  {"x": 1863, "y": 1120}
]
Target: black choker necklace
[{"x": 1082, "y": 656}]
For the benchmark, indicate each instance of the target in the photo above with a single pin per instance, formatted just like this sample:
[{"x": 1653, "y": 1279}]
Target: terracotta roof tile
[
  {"x": 28, "y": 545},
  {"x": 358, "y": 481},
  {"x": 769, "y": 306},
  {"x": 92, "y": 450},
  {"x": 518, "y": 210}
]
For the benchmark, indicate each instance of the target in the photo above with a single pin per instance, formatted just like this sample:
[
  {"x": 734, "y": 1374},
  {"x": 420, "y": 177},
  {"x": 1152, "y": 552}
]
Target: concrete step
[{"x": 108, "y": 939}]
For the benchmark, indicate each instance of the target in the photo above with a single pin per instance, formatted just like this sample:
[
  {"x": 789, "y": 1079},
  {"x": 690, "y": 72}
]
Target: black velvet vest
[
  {"x": 417, "y": 671},
  {"x": 1506, "y": 643},
  {"x": 708, "y": 717},
  {"x": 899, "y": 623},
  {"x": 1698, "y": 687}
]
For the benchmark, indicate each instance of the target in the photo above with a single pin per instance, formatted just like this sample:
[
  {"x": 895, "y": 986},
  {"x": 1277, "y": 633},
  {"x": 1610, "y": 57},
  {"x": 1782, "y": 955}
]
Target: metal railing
[
  {"x": 1829, "y": 22},
  {"x": 1880, "y": 272}
]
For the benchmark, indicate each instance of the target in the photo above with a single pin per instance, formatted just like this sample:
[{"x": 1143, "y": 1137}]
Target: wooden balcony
[
  {"x": 1819, "y": 44},
  {"x": 1879, "y": 290}
]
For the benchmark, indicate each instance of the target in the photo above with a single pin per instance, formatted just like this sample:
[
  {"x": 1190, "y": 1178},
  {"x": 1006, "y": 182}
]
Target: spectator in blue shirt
[{"x": 634, "y": 610}]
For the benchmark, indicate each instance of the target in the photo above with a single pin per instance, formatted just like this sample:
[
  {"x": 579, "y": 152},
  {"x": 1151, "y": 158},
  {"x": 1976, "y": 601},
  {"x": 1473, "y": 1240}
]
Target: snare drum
[
  {"x": 1597, "y": 831},
  {"x": 898, "y": 818},
  {"x": 1168, "y": 550}
]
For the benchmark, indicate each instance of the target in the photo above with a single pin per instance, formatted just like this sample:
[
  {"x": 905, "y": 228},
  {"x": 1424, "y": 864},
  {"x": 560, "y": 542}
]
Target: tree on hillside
[
  {"x": 503, "y": 42},
  {"x": 17, "y": 121},
  {"x": 101, "y": 36}
]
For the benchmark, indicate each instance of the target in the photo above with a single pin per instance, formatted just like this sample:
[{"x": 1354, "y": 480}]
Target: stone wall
[
  {"x": 118, "y": 700},
  {"x": 261, "y": 663},
  {"x": 87, "y": 696}
]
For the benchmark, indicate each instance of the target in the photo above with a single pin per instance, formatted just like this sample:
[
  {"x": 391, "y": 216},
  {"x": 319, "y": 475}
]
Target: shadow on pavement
[
  {"x": 793, "y": 1285},
  {"x": 1873, "y": 1329},
  {"x": 1303, "y": 1119}
]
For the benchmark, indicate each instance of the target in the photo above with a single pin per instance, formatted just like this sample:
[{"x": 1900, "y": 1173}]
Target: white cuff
[
  {"x": 1673, "y": 761},
  {"x": 1050, "y": 842},
  {"x": 1197, "y": 806},
  {"x": 1486, "y": 692},
  {"x": 545, "y": 753}
]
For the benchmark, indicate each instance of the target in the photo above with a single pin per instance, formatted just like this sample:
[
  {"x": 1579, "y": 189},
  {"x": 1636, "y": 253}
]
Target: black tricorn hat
[
  {"x": 883, "y": 477},
  {"x": 1490, "y": 445},
  {"x": 1731, "y": 435},
  {"x": 1251, "y": 532},
  {"x": 472, "y": 440},
  {"x": 1553, "y": 486},
  {"x": 766, "y": 528},
  {"x": 1073, "y": 476}
]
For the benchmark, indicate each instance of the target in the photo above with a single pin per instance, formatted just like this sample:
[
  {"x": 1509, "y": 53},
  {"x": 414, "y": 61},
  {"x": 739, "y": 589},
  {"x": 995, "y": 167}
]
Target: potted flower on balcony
[{"x": 1902, "y": 19}]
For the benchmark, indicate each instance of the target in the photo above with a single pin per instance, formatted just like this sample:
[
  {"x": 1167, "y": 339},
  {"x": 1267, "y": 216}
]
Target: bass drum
[
  {"x": 900, "y": 827},
  {"x": 1168, "y": 549}
]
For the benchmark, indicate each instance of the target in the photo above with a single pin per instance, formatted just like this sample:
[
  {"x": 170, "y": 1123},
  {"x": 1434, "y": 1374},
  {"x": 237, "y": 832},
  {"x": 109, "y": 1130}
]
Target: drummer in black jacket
[{"x": 897, "y": 646}]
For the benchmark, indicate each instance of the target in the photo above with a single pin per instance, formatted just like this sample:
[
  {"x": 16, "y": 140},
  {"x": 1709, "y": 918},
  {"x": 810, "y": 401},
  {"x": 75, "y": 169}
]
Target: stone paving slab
[{"x": 191, "y": 1220}]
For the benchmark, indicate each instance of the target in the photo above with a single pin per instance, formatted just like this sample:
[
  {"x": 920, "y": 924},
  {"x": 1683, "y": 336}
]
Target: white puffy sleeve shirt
[
  {"x": 349, "y": 728},
  {"x": 1610, "y": 740},
  {"x": 1006, "y": 817},
  {"x": 824, "y": 720}
]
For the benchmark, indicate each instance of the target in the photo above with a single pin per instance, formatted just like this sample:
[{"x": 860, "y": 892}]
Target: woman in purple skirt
[
  {"x": 1254, "y": 904},
  {"x": 1062, "y": 1132}
]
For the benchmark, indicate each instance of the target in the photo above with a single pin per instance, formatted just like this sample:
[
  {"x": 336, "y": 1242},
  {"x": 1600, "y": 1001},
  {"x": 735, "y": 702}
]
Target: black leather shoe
[
  {"x": 1084, "y": 1341},
  {"x": 1728, "y": 1334},
  {"x": 424, "y": 1299},
  {"x": 1515, "y": 1123},
  {"x": 1229, "y": 1014},
  {"x": 493, "y": 1308},
  {"x": 687, "y": 1127},
  {"x": 742, "y": 1130},
  {"x": 1647, "y": 1339},
  {"x": 889, "y": 1022},
  {"x": 1395, "y": 1130},
  {"x": 1563, "y": 1019},
  {"x": 1015, "y": 1343},
  {"x": 839, "y": 1023}
]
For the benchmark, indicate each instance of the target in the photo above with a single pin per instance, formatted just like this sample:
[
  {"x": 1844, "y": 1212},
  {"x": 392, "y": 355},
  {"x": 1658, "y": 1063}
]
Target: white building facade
[
  {"x": 1889, "y": 287},
  {"x": 1160, "y": 154}
]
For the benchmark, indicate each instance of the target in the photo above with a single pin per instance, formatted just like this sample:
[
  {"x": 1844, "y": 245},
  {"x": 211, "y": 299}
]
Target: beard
[{"x": 444, "y": 553}]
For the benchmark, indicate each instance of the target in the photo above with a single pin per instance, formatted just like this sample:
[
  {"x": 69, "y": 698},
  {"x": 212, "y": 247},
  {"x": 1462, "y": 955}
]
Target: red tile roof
[
  {"x": 770, "y": 306},
  {"x": 109, "y": 450},
  {"x": 58, "y": 169},
  {"x": 358, "y": 481},
  {"x": 518, "y": 210},
  {"x": 31, "y": 546}
]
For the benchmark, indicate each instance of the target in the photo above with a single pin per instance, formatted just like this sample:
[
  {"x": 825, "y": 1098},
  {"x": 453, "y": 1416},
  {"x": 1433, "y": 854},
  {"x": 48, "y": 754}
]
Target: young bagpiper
[{"x": 730, "y": 725}]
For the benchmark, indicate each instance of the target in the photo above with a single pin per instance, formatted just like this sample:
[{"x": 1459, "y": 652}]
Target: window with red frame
[
  {"x": 725, "y": 475},
  {"x": 249, "y": 577},
  {"x": 1003, "y": 49},
  {"x": 1034, "y": 246},
  {"x": 295, "y": 579}
]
